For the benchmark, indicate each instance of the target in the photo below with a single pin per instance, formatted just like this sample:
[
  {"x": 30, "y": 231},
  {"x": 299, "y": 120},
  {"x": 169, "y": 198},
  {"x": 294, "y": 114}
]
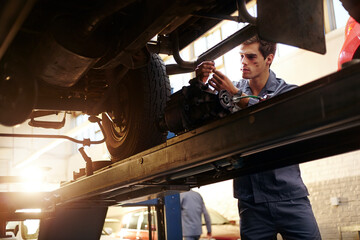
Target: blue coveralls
[
  {"x": 192, "y": 208},
  {"x": 274, "y": 201}
]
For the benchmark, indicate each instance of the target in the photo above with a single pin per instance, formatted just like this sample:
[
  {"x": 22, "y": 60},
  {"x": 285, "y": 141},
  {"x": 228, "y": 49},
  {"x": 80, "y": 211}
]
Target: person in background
[
  {"x": 273, "y": 201},
  {"x": 192, "y": 208}
]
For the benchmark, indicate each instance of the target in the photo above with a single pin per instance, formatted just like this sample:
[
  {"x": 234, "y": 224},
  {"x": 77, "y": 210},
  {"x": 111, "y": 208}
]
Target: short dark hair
[{"x": 265, "y": 47}]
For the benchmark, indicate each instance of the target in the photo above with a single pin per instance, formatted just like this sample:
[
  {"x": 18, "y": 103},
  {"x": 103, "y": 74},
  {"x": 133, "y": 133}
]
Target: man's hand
[
  {"x": 219, "y": 81},
  {"x": 204, "y": 69}
]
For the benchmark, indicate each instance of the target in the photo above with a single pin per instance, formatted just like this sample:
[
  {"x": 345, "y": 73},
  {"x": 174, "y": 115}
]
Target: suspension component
[{"x": 193, "y": 106}]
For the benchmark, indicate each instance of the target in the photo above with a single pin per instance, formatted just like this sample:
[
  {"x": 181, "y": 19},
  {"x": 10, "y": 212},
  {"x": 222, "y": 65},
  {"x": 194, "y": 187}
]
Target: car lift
[
  {"x": 168, "y": 213},
  {"x": 316, "y": 120}
]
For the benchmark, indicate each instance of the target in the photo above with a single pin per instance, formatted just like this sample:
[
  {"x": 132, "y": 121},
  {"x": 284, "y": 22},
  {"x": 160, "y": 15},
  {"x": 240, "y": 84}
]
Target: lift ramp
[{"x": 316, "y": 120}]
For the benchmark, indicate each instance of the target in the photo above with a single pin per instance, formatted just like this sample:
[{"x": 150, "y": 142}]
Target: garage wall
[
  {"x": 300, "y": 67},
  {"x": 334, "y": 189},
  {"x": 31, "y": 157}
]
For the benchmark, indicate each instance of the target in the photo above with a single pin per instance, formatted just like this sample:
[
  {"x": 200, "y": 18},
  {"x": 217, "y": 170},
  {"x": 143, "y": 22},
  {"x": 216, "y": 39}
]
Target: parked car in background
[
  {"x": 350, "y": 49},
  {"x": 107, "y": 234},
  {"x": 132, "y": 225},
  {"x": 222, "y": 228},
  {"x": 22, "y": 230},
  {"x": 135, "y": 225}
]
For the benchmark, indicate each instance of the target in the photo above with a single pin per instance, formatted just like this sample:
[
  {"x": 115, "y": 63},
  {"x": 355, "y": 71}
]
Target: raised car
[{"x": 101, "y": 57}]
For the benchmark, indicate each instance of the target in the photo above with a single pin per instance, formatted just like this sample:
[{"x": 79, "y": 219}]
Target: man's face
[{"x": 253, "y": 63}]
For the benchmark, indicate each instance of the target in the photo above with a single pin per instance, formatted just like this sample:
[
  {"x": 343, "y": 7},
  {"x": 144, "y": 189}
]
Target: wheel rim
[
  {"x": 120, "y": 118},
  {"x": 133, "y": 110}
]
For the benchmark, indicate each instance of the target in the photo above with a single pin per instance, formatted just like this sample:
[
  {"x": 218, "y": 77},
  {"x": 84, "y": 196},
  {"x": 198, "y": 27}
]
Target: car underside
[{"x": 101, "y": 57}]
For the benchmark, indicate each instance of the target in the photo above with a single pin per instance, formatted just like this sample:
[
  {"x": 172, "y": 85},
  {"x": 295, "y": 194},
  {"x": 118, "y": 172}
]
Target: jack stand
[
  {"x": 90, "y": 165},
  {"x": 89, "y": 168}
]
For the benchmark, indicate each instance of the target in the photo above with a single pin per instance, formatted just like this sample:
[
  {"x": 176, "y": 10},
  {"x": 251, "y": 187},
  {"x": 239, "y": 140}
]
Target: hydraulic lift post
[{"x": 168, "y": 213}]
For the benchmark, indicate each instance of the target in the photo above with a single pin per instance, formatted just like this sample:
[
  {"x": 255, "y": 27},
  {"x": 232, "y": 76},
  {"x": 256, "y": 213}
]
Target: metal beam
[
  {"x": 13, "y": 14},
  {"x": 21, "y": 200},
  {"x": 316, "y": 120}
]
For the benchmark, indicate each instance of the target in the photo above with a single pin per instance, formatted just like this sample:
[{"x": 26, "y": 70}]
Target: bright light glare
[
  {"x": 32, "y": 225},
  {"x": 111, "y": 220},
  {"x": 34, "y": 179},
  {"x": 72, "y": 133},
  {"x": 33, "y": 174},
  {"x": 28, "y": 210}
]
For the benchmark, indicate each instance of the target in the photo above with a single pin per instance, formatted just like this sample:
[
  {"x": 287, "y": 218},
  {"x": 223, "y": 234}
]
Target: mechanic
[
  {"x": 192, "y": 208},
  {"x": 274, "y": 201}
]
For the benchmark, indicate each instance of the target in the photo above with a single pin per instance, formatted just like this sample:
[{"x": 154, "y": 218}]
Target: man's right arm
[
  {"x": 219, "y": 81},
  {"x": 204, "y": 69}
]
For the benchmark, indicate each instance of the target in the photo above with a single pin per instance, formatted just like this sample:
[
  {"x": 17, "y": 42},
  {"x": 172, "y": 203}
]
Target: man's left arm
[
  {"x": 207, "y": 220},
  {"x": 219, "y": 81}
]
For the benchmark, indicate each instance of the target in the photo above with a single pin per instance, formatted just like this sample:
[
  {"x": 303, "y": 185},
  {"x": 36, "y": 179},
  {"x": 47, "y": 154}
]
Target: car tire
[
  {"x": 18, "y": 94},
  {"x": 141, "y": 99}
]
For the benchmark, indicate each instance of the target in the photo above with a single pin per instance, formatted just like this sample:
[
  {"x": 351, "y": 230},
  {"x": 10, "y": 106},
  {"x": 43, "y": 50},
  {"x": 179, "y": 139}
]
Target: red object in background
[{"x": 350, "y": 49}]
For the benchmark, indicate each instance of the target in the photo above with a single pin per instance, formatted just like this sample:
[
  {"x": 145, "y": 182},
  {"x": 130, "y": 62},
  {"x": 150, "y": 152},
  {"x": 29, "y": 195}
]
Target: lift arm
[{"x": 316, "y": 120}]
